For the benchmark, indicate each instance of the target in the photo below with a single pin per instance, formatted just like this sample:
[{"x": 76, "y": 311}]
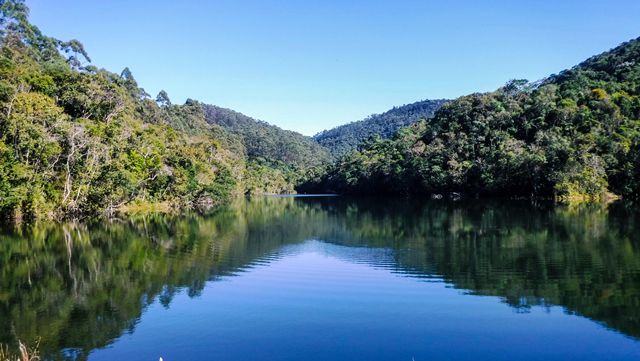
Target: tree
[
  {"x": 126, "y": 74},
  {"x": 75, "y": 47},
  {"x": 163, "y": 99}
]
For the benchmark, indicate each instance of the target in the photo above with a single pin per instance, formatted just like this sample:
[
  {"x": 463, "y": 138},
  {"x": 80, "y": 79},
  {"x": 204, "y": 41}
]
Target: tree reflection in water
[{"x": 77, "y": 287}]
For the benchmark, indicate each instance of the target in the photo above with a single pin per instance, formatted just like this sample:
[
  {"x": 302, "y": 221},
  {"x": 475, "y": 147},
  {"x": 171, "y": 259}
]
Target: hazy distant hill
[
  {"x": 263, "y": 140},
  {"x": 342, "y": 139}
]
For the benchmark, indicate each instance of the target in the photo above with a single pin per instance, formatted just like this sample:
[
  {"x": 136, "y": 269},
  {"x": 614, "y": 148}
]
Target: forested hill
[
  {"x": 573, "y": 135},
  {"x": 345, "y": 138},
  {"x": 77, "y": 140},
  {"x": 268, "y": 142}
]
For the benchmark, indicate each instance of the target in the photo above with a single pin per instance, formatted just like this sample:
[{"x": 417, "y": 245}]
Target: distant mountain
[
  {"x": 264, "y": 141},
  {"x": 340, "y": 140}
]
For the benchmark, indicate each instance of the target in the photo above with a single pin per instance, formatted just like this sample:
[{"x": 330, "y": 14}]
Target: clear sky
[{"x": 311, "y": 65}]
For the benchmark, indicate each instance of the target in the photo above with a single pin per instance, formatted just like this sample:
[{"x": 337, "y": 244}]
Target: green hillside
[
  {"x": 269, "y": 142},
  {"x": 79, "y": 141},
  {"x": 574, "y": 135},
  {"x": 345, "y": 138}
]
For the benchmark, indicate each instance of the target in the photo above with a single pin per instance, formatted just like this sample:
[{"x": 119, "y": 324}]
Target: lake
[{"x": 331, "y": 278}]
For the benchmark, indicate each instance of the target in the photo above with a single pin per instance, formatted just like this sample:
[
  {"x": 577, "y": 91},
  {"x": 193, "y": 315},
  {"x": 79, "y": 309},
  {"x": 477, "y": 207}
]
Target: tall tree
[{"x": 163, "y": 99}]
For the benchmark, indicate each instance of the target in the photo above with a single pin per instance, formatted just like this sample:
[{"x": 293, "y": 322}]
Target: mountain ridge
[
  {"x": 342, "y": 139},
  {"x": 265, "y": 140}
]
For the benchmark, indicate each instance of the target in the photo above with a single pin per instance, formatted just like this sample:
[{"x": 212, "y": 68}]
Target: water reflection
[{"x": 78, "y": 287}]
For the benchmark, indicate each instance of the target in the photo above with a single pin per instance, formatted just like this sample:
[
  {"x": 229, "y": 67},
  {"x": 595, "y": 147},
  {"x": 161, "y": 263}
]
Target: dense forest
[
  {"x": 346, "y": 138},
  {"x": 77, "y": 140},
  {"x": 574, "y": 135},
  {"x": 266, "y": 141},
  {"x": 277, "y": 159}
]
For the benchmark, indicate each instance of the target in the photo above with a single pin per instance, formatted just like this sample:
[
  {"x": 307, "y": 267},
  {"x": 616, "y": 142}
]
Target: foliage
[
  {"x": 78, "y": 141},
  {"x": 263, "y": 140},
  {"x": 345, "y": 138},
  {"x": 573, "y": 135},
  {"x": 265, "y": 177}
]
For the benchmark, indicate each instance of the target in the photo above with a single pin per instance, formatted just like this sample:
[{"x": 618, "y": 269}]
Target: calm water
[{"x": 327, "y": 278}]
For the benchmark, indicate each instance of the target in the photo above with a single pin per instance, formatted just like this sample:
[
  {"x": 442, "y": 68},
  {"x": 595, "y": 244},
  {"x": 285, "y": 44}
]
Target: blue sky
[{"x": 311, "y": 65}]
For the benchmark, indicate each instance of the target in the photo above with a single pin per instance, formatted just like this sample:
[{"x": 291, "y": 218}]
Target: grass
[{"x": 25, "y": 353}]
